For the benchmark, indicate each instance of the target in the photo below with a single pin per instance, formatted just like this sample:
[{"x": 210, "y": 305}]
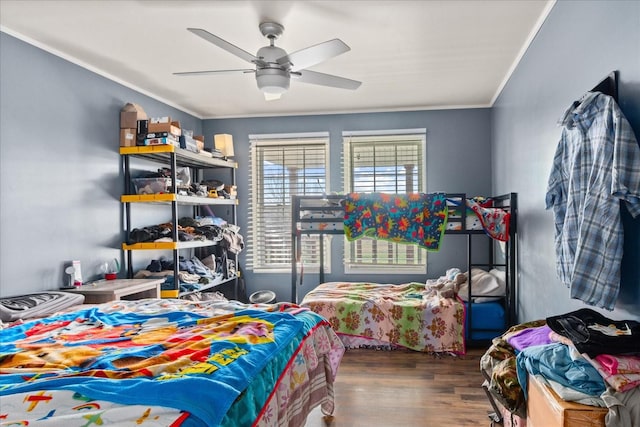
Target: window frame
[
  {"x": 383, "y": 136},
  {"x": 258, "y": 141}
]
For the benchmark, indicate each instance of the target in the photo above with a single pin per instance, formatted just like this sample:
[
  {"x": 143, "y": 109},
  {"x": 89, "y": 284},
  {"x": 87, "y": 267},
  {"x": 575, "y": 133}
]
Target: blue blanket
[
  {"x": 177, "y": 359},
  {"x": 555, "y": 362}
]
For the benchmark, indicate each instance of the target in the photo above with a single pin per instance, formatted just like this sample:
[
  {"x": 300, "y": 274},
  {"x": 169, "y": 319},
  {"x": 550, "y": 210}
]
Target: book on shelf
[{"x": 159, "y": 135}]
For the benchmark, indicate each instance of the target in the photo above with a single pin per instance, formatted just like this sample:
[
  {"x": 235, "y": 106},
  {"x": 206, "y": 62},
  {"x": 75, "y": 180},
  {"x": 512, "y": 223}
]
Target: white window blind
[
  {"x": 384, "y": 162},
  {"x": 282, "y": 166}
]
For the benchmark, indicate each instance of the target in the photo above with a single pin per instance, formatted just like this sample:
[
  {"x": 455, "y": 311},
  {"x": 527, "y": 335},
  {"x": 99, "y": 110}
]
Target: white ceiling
[{"x": 409, "y": 55}]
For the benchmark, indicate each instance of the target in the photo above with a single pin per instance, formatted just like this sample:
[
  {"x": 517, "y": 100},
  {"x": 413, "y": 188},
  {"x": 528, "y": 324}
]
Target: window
[
  {"x": 384, "y": 162},
  {"x": 282, "y": 166}
]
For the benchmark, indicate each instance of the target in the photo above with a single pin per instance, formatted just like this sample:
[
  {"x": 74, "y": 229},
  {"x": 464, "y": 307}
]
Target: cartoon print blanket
[
  {"x": 173, "y": 359},
  {"x": 415, "y": 218},
  {"x": 52, "y": 408}
]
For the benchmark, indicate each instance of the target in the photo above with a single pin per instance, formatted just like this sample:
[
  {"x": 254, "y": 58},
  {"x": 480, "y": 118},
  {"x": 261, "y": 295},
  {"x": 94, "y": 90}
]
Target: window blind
[
  {"x": 282, "y": 166},
  {"x": 385, "y": 162}
]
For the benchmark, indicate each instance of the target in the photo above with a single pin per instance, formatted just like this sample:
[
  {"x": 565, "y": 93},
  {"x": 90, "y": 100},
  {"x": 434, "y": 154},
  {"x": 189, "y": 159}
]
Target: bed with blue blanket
[{"x": 168, "y": 363}]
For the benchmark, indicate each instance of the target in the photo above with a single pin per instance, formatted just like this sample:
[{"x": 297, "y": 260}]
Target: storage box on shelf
[
  {"x": 174, "y": 157},
  {"x": 130, "y": 114},
  {"x": 128, "y": 137},
  {"x": 165, "y": 124},
  {"x": 152, "y": 185}
]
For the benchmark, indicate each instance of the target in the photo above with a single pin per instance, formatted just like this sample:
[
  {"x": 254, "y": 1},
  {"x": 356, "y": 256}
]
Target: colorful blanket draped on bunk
[
  {"x": 415, "y": 218},
  {"x": 495, "y": 221},
  {"x": 408, "y": 315},
  {"x": 174, "y": 359}
]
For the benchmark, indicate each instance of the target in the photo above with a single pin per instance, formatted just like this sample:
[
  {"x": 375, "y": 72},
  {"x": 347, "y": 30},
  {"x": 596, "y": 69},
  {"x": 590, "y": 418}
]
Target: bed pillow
[
  {"x": 501, "y": 276},
  {"x": 490, "y": 284}
]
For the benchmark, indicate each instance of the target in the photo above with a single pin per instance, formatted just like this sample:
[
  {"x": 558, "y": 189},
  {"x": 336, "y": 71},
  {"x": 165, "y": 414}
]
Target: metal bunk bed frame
[{"x": 331, "y": 205}]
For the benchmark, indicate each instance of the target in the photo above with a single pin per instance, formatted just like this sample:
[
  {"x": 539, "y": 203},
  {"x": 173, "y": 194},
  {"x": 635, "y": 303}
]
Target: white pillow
[
  {"x": 500, "y": 275},
  {"x": 490, "y": 285}
]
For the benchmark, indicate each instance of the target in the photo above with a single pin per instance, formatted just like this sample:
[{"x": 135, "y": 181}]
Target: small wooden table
[{"x": 114, "y": 290}]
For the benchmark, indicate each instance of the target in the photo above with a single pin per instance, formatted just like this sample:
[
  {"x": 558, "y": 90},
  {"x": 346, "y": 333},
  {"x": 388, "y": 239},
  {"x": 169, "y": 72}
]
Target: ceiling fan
[{"x": 274, "y": 67}]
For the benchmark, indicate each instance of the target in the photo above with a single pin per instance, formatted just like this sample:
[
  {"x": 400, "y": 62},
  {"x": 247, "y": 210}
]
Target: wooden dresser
[{"x": 546, "y": 409}]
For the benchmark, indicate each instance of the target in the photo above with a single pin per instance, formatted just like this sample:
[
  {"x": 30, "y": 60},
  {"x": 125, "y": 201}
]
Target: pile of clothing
[{"x": 583, "y": 356}]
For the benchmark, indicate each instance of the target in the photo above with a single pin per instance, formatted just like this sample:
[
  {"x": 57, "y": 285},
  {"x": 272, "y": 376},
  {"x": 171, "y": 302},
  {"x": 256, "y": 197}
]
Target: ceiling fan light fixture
[
  {"x": 274, "y": 66},
  {"x": 273, "y": 80}
]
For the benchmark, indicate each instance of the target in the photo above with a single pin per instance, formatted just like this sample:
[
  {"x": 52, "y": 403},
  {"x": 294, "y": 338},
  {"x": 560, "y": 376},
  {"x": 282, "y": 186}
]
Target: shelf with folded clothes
[
  {"x": 198, "y": 288},
  {"x": 169, "y": 188},
  {"x": 195, "y": 274},
  {"x": 191, "y": 233}
]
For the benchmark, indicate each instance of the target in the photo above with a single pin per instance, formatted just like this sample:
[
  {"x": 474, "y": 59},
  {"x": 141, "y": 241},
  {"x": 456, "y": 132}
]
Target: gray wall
[
  {"x": 60, "y": 171},
  {"x": 458, "y": 157},
  {"x": 578, "y": 45},
  {"x": 61, "y": 174}
]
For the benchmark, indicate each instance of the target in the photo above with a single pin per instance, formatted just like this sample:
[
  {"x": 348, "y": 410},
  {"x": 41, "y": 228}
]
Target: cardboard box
[
  {"x": 164, "y": 124},
  {"x": 130, "y": 114},
  {"x": 127, "y": 137},
  {"x": 546, "y": 409},
  {"x": 199, "y": 142},
  {"x": 232, "y": 190}
]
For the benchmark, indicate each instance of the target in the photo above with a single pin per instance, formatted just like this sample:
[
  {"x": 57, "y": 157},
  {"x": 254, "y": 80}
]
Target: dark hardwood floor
[{"x": 406, "y": 388}]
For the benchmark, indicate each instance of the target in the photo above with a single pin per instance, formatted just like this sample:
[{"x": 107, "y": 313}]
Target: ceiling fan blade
[
  {"x": 209, "y": 72},
  {"x": 231, "y": 48},
  {"x": 310, "y": 56},
  {"x": 313, "y": 77}
]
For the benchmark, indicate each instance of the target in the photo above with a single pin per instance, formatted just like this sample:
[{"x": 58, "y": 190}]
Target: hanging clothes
[{"x": 596, "y": 165}]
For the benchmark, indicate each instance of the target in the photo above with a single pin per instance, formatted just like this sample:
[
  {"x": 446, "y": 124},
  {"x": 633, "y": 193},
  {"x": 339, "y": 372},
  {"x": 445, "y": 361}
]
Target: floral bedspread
[{"x": 407, "y": 315}]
